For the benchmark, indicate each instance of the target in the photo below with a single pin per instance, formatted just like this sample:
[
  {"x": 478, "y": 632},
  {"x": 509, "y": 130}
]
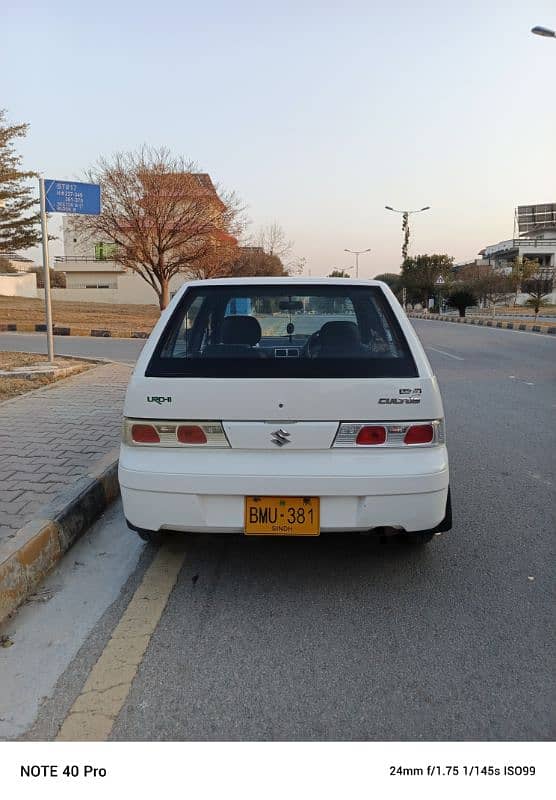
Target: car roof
[{"x": 286, "y": 280}]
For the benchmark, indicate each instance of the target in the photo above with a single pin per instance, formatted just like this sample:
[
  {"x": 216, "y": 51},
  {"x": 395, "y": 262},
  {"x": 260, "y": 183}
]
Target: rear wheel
[
  {"x": 424, "y": 537},
  {"x": 419, "y": 537},
  {"x": 152, "y": 537}
]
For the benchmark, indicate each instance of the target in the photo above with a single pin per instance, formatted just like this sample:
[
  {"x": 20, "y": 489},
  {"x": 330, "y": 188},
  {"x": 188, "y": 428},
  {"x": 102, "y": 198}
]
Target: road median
[
  {"x": 542, "y": 327},
  {"x": 73, "y": 330}
]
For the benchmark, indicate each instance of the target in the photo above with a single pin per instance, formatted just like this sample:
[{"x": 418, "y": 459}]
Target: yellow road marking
[{"x": 93, "y": 714}]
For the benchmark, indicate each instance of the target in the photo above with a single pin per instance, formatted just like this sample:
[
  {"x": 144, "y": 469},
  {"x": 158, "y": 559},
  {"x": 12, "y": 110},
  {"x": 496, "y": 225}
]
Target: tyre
[
  {"x": 424, "y": 537},
  {"x": 152, "y": 537},
  {"x": 418, "y": 538}
]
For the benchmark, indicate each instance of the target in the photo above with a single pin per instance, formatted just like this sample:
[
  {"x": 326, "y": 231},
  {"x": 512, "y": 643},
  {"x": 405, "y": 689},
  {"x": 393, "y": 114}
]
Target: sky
[{"x": 318, "y": 114}]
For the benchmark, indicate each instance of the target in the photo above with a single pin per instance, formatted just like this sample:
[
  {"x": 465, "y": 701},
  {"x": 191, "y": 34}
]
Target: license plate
[{"x": 282, "y": 516}]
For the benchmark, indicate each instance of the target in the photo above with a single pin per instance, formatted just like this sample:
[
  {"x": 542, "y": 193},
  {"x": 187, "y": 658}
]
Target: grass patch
[{"x": 82, "y": 316}]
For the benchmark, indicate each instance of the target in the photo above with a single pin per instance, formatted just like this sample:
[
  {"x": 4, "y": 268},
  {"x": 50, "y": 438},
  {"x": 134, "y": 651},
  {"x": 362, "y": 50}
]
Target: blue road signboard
[{"x": 68, "y": 197}]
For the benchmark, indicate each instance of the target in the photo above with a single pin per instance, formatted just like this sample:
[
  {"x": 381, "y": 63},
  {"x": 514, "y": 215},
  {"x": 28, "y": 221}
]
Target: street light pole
[
  {"x": 405, "y": 225},
  {"x": 357, "y": 253}
]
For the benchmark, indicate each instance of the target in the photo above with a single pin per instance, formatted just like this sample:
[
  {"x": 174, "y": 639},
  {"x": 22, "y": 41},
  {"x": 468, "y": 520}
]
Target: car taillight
[
  {"x": 390, "y": 434},
  {"x": 169, "y": 433},
  {"x": 419, "y": 434},
  {"x": 191, "y": 434},
  {"x": 144, "y": 434},
  {"x": 371, "y": 434}
]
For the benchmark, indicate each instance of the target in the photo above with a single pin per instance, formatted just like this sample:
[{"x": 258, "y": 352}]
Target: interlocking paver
[{"x": 51, "y": 438}]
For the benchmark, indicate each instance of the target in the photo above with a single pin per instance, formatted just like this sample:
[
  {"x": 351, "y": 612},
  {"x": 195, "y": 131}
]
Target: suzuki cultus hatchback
[{"x": 284, "y": 407}]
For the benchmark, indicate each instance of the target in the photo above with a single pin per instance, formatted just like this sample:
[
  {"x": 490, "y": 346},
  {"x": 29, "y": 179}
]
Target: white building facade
[
  {"x": 535, "y": 245},
  {"x": 540, "y": 247},
  {"x": 91, "y": 276}
]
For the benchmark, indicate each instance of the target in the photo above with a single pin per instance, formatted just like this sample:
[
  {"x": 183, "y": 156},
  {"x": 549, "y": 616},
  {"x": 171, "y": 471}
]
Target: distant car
[{"x": 316, "y": 411}]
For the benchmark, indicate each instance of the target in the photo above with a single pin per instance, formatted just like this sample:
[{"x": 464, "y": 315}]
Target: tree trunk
[{"x": 164, "y": 295}]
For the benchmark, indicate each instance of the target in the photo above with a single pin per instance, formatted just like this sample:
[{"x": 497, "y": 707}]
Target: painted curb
[
  {"x": 489, "y": 323},
  {"x": 37, "y": 547},
  {"x": 63, "y": 330}
]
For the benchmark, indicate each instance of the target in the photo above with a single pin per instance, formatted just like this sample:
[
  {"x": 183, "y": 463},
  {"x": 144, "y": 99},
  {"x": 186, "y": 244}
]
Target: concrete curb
[
  {"x": 36, "y": 548},
  {"x": 62, "y": 330},
  {"x": 96, "y": 362},
  {"x": 58, "y": 375},
  {"x": 488, "y": 323}
]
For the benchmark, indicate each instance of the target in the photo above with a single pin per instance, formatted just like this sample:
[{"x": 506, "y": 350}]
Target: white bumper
[{"x": 203, "y": 491}]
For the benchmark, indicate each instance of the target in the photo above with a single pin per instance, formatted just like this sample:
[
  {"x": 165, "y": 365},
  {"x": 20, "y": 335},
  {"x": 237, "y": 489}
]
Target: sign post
[
  {"x": 46, "y": 270},
  {"x": 62, "y": 197},
  {"x": 440, "y": 283}
]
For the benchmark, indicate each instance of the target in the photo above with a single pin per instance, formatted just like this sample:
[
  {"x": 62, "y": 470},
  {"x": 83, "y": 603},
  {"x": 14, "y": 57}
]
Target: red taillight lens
[
  {"x": 419, "y": 434},
  {"x": 144, "y": 434},
  {"x": 371, "y": 434},
  {"x": 191, "y": 434}
]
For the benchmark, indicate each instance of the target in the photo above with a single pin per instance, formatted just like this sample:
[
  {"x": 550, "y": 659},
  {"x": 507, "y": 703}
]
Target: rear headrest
[
  {"x": 240, "y": 330},
  {"x": 339, "y": 333}
]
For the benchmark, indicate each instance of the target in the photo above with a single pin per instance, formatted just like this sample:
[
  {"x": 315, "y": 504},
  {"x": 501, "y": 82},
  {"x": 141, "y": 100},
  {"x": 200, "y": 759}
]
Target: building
[
  {"x": 92, "y": 274},
  {"x": 534, "y": 240},
  {"x": 537, "y": 244}
]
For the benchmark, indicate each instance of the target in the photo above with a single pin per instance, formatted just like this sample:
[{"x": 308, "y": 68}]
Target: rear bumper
[{"x": 358, "y": 490}]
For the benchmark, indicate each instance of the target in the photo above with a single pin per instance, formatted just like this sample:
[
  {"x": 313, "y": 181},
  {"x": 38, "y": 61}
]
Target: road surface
[
  {"x": 124, "y": 350},
  {"x": 341, "y": 638}
]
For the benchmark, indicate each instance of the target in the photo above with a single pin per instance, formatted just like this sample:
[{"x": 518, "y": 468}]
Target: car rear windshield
[{"x": 276, "y": 331}]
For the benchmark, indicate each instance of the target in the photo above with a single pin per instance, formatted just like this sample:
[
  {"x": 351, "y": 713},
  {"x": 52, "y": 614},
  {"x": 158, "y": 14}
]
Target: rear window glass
[{"x": 294, "y": 331}]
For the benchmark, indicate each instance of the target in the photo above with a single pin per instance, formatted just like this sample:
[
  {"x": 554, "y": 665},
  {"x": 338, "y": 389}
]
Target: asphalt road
[
  {"x": 340, "y": 638},
  {"x": 124, "y": 350}
]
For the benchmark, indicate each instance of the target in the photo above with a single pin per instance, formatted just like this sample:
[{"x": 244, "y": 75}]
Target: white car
[{"x": 284, "y": 407}]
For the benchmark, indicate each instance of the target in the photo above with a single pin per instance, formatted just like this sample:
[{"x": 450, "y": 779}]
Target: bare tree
[
  {"x": 164, "y": 217},
  {"x": 274, "y": 242}
]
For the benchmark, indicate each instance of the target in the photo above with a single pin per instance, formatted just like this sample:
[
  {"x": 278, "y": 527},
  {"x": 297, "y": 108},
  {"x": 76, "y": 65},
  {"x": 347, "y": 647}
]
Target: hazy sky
[{"x": 316, "y": 113}]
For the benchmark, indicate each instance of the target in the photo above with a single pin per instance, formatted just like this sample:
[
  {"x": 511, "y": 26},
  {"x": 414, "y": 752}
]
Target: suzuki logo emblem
[{"x": 280, "y": 437}]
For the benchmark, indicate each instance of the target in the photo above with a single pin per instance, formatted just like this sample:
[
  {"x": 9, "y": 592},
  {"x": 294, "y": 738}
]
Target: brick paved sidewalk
[{"x": 51, "y": 438}]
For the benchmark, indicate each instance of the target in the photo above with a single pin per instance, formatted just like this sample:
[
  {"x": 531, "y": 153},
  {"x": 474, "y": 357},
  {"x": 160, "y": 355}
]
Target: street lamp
[
  {"x": 405, "y": 225},
  {"x": 356, "y": 253},
  {"x": 540, "y": 31}
]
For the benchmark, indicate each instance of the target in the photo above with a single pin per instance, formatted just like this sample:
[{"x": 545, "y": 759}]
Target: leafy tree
[
  {"x": 461, "y": 298},
  {"x": 57, "y": 278},
  {"x": 419, "y": 274},
  {"x": 392, "y": 279},
  {"x": 539, "y": 287},
  {"x": 339, "y": 273},
  {"x": 164, "y": 217},
  {"x": 488, "y": 284},
  {"x": 19, "y": 216},
  {"x": 253, "y": 261},
  {"x": 6, "y": 266},
  {"x": 522, "y": 270}
]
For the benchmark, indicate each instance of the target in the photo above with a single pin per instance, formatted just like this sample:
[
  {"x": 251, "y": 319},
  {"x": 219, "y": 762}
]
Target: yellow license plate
[{"x": 282, "y": 516}]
